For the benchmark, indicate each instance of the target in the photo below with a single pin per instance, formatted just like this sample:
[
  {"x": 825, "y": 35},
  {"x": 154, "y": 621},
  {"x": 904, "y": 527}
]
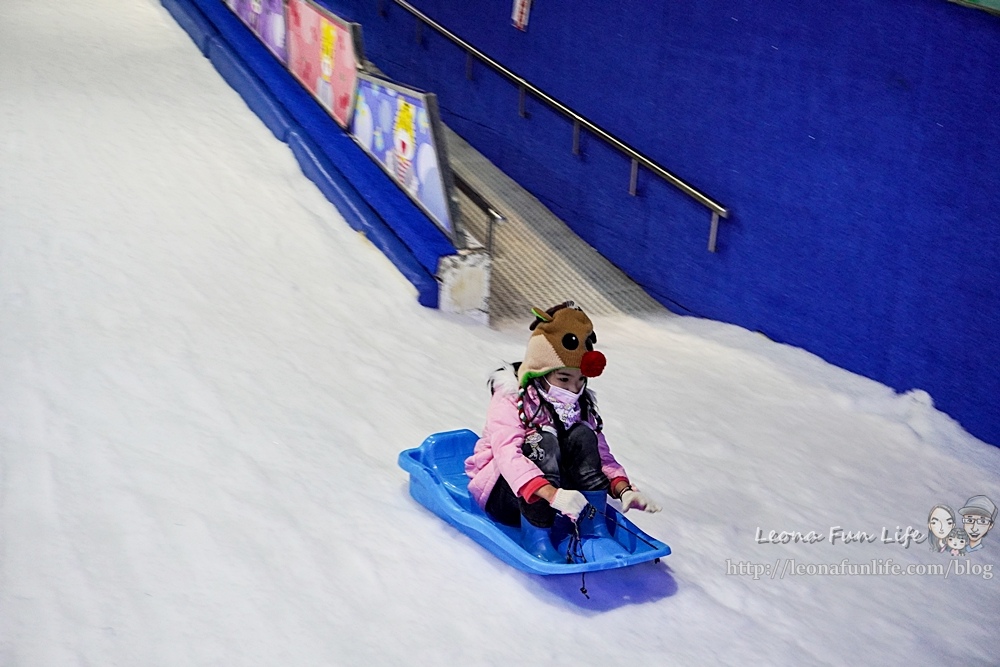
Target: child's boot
[
  {"x": 595, "y": 538},
  {"x": 594, "y": 523},
  {"x": 538, "y": 542}
]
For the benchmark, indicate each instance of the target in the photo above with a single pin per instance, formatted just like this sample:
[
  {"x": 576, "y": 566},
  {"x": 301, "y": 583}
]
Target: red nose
[{"x": 592, "y": 364}]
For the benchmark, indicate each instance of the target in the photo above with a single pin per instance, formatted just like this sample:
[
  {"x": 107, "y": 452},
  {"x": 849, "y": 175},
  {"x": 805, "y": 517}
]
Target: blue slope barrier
[
  {"x": 365, "y": 196},
  {"x": 250, "y": 88},
  {"x": 194, "y": 22}
]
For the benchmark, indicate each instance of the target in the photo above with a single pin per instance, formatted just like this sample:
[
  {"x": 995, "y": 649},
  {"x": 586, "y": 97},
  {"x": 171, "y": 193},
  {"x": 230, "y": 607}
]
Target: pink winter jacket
[{"x": 498, "y": 451}]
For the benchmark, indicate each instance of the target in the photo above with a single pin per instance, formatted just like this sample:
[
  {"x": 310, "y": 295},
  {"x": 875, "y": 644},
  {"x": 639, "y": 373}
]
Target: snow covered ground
[{"x": 206, "y": 377}]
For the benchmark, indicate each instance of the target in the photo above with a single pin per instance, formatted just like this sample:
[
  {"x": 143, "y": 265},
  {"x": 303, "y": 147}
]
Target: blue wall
[{"x": 857, "y": 144}]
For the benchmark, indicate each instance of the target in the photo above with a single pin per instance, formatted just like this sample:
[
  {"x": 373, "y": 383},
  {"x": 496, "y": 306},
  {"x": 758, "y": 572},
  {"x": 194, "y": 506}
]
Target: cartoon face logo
[
  {"x": 965, "y": 531},
  {"x": 256, "y": 6},
  {"x": 978, "y": 516},
  {"x": 956, "y": 541},
  {"x": 976, "y": 526},
  {"x": 940, "y": 521}
]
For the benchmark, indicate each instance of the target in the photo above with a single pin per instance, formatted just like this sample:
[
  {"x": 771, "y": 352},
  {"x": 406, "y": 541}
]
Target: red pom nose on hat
[{"x": 593, "y": 364}]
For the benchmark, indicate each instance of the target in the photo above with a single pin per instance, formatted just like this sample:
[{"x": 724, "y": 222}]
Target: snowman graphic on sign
[{"x": 404, "y": 140}]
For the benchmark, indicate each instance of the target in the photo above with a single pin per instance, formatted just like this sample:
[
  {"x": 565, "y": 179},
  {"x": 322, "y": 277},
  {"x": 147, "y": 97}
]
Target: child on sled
[{"x": 543, "y": 449}]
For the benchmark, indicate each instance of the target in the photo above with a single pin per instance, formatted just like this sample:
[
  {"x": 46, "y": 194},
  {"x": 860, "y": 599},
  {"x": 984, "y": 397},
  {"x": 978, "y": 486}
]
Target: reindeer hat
[{"x": 561, "y": 337}]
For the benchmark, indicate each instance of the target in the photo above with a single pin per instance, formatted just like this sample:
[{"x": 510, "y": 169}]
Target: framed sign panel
[
  {"x": 399, "y": 127},
  {"x": 266, "y": 18},
  {"x": 323, "y": 54}
]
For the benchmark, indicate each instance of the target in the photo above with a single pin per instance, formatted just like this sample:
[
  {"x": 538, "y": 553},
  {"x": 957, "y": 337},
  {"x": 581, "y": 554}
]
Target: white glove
[
  {"x": 569, "y": 503},
  {"x": 638, "y": 500}
]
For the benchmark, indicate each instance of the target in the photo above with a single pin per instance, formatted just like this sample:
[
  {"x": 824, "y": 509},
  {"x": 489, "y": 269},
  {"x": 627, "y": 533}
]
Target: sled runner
[{"x": 438, "y": 482}]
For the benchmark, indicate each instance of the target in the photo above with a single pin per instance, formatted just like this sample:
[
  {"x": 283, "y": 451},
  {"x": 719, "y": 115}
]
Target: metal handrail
[{"x": 718, "y": 210}]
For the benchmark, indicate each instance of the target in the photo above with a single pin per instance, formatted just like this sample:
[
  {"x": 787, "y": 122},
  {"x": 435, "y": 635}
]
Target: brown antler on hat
[{"x": 562, "y": 337}]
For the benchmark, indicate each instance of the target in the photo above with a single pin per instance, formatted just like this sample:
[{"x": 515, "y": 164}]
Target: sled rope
[{"x": 574, "y": 551}]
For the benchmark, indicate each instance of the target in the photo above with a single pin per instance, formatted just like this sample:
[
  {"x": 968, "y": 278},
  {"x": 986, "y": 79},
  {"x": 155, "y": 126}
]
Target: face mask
[
  {"x": 564, "y": 402},
  {"x": 559, "y": 395}
]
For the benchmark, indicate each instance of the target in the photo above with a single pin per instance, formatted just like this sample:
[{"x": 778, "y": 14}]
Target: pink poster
[{"x": 322, "y": 55}]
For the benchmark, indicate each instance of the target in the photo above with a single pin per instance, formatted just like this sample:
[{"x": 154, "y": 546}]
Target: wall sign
[
  {"x": 522, "y": 8},
  {"x": 266, "y": 18},
  {"x": 323, "y": 54},
  {"x": 400, "y": 129}
]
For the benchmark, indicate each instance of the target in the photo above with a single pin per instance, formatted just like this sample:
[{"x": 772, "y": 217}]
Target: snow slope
[{"x": 206, "y": 377}]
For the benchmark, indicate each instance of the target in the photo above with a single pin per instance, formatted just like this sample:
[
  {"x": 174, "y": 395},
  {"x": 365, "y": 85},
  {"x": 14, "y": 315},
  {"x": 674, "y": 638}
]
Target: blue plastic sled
[{"x": 438, "y": 482}]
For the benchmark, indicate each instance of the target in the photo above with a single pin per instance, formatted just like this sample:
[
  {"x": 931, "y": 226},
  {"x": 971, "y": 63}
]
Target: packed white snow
[{"x": 206, "y": 378}]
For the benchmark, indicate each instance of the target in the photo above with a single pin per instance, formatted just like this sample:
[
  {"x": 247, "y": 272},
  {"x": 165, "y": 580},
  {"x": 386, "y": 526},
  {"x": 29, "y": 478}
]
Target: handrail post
[
  {"x": 713, "y": 233},
  {"x": 494, "y": 218},
  {"x": 634, "y": 180},
  {"x": 483, "y": 205},
  {"x": 576, "y": 137}
]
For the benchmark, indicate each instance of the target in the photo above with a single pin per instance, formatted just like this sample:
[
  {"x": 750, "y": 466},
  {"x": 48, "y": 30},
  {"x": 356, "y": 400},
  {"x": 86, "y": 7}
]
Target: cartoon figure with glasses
[{"x": 978, "y": 516}]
